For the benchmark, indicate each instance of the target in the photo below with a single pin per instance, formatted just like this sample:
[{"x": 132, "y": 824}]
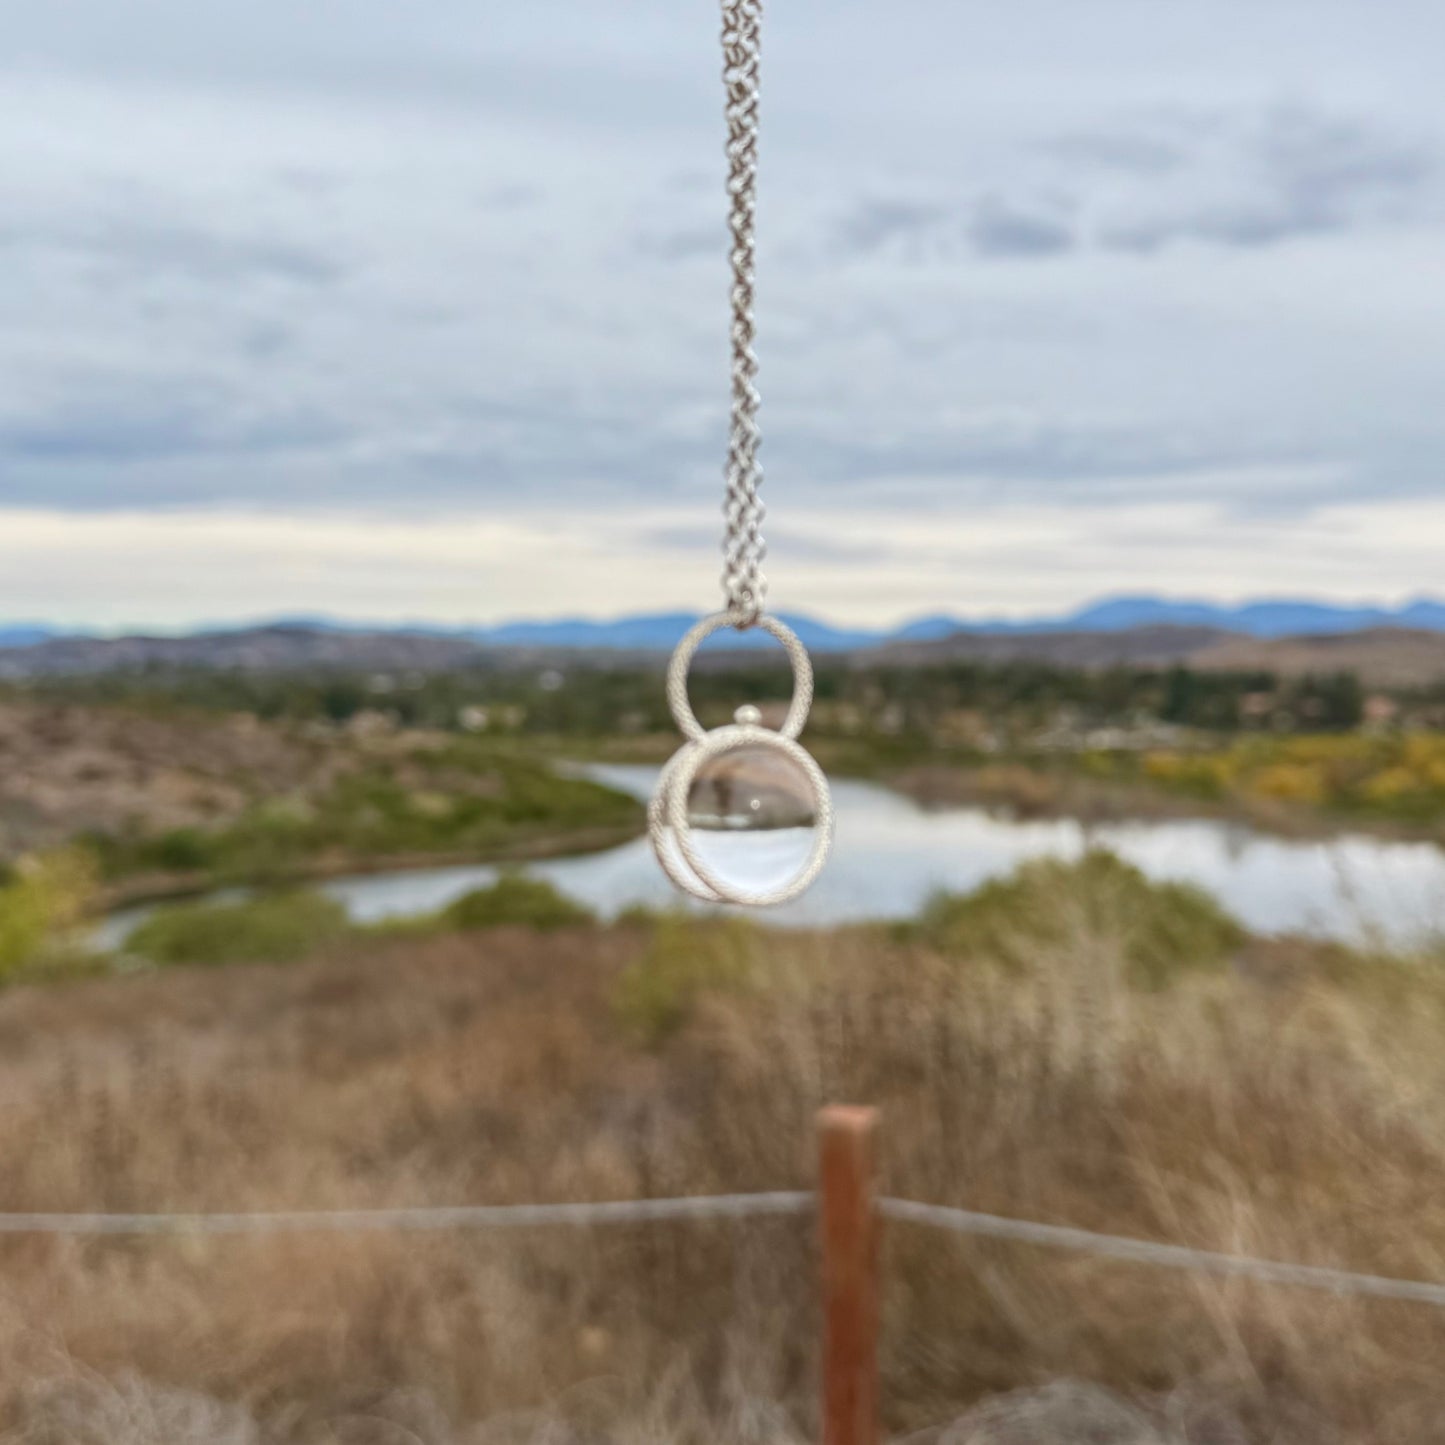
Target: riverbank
[
  {"x": 192, "y": 797},
  {"x": 1292, "y": 787},
  {"x": 892, "y": 855},
  {"x": 1024, "y": 791},
  {"x": 520, "y": 849},
  {"x": 290, "y": 806},
  {"x": 1285, "y": 791},
  {"x": 1081, "y": 1048},
  {"x": 173, "y": 801}
]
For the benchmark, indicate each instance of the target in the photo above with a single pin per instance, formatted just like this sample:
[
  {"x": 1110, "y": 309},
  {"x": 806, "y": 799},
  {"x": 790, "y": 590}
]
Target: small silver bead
[{"x": 747, "y": 716}]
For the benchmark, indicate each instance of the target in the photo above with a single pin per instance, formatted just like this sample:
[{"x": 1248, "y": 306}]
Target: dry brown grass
[
  {"x": 1379, "y": 656},
  {"x": 66, "y": 768},
  {"x": 1293, "y": 1108}
]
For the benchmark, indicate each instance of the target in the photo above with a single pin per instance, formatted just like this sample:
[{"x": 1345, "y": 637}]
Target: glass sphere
[{"x": 752, "y": 815}]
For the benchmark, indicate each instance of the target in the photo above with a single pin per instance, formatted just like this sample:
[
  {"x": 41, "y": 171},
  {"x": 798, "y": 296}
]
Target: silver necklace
[{"x": 742, "y": 814}]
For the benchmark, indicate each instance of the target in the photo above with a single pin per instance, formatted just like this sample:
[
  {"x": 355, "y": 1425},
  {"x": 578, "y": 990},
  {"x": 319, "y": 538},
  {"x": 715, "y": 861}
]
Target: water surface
[{"x": 891, "y": 855}]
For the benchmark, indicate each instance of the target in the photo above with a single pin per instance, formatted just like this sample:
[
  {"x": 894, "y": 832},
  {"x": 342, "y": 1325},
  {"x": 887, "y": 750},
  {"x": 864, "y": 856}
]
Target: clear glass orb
[
  {"x": 752, "y": 816},
  {"x": 679, "y": 871}
]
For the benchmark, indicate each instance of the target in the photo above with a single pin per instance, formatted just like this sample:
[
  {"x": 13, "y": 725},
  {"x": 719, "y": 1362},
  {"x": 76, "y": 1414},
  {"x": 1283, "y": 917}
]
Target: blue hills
[
  {"x": 1265, "y": 618},
  {"x": 25, "y": 634},
  {"x": 1284, "y": 617}
]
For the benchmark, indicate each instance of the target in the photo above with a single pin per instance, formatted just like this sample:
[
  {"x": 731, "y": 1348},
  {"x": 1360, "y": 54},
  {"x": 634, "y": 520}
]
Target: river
[{"x": 891, "y": 854}]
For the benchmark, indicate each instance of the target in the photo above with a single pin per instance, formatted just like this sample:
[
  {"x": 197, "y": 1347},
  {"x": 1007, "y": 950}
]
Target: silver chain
[{"x": 743, "y": 547}]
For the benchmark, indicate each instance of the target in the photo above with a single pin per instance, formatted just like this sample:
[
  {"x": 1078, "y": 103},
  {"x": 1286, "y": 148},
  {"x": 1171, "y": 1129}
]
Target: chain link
[{"x": 743, "y": 547}]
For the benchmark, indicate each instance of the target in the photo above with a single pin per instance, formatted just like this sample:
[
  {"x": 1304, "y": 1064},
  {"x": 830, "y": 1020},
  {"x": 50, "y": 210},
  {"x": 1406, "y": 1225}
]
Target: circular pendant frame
[
  {"x": 680, "y": 774},
  {"x": 672, "y": 838},
  {"x": 659, "y": 826}
]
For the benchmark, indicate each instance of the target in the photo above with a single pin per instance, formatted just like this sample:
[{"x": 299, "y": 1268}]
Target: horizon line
[{"x": 964, "y": 622}]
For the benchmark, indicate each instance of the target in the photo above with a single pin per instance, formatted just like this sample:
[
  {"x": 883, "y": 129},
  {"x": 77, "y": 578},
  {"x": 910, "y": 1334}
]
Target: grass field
[
  {"x": 1072, "y": 1045},
  {"x": 166, "y": 801}
]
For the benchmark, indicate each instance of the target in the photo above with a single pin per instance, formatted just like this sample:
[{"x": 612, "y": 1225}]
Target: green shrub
[
  {"x": 43, "y": 899},
  {"x": 459, "y": 799},
  {"x": 182, "y": 850},
  {"x": 1049, "y": 906},
  {"x": 685, "y": 958},
  {"x": 517, "y": 899},
  {"x": 639, "y": 915},
  {"x": 274, "y": 928}
]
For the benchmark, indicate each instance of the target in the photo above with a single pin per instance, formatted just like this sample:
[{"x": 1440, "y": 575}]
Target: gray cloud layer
[
  {"x": 285, "y": 257},
  {"x": 1256, "y": 180}
]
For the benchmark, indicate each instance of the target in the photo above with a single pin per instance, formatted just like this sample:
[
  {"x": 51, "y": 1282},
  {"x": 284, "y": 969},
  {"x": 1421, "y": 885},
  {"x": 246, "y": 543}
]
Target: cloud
[
  {"x": 917, "y": 226},
  {"x": 131, "y": 569},
  {"x": 123, "y": 246},
  {"x": 147, "y": 432},
  {"x": 1000, "y": 227},
  {"x": 461, "y": 263},
  {"x": 510, "y": 197},
  {"x": 930, "y": 231},
  {"x": 798, "y": 543},
  {"x": 1146, "y": 150},
  {"x": 1221, "y": 179},
  {"x": 683, "y": 244},
  {"x": 1290, "y": 174}
]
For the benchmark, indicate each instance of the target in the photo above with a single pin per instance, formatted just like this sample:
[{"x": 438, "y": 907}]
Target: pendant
[{"x": 742, "y": 814}]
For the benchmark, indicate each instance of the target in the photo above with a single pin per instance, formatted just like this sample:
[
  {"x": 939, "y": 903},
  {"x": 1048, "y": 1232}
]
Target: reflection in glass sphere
[{"x": 752, "y": 814}]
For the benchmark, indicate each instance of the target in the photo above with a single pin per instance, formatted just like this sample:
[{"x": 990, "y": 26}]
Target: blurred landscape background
[
  {"x": 363, "y": 404},
  {"x": 1126, "y": 929}
]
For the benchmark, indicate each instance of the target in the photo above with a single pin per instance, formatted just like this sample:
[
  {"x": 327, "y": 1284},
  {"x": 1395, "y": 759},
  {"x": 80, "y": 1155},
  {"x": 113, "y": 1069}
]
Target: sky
[{"x": 417, "y": 309}]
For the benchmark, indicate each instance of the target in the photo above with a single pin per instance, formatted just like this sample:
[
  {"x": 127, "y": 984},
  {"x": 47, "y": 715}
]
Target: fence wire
[
  {"x": 1169, "y": 1256},
  {"x": 733, "y": 1207},
  {"x": 478, "y": 1216}
]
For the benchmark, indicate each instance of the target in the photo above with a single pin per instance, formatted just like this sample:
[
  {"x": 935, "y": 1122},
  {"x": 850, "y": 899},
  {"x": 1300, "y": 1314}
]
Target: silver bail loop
[{"x": 754, "y": 750}]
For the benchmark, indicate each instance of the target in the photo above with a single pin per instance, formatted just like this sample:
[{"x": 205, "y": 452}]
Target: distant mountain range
[
  {"x": 1267, "y": 618},
  {"x": 1284, "y": 617},
  {"x": 1156, "y": 627},
  {"x": 24, "y": 634}
]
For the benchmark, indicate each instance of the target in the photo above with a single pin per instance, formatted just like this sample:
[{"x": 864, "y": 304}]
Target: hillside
[
  {"x": 68, "y": 770},
  {"x": 256, "y": 649},
  {"x": 1380, "y": 657},
  {"x": 1142, "y": 631},
  {"x": 292, "y": 649},
  {"x": 187, "y": 798},
  {"x": 1135, "y": 647}
]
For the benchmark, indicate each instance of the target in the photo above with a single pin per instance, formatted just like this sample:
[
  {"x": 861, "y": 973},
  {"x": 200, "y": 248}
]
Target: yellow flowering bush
[
  {"x": 1402, "y": 777},
  {"x": 42, "y": 901}
]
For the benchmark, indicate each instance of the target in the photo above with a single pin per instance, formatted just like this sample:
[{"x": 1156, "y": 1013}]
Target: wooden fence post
[{"x": 849, "y": 1233}]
